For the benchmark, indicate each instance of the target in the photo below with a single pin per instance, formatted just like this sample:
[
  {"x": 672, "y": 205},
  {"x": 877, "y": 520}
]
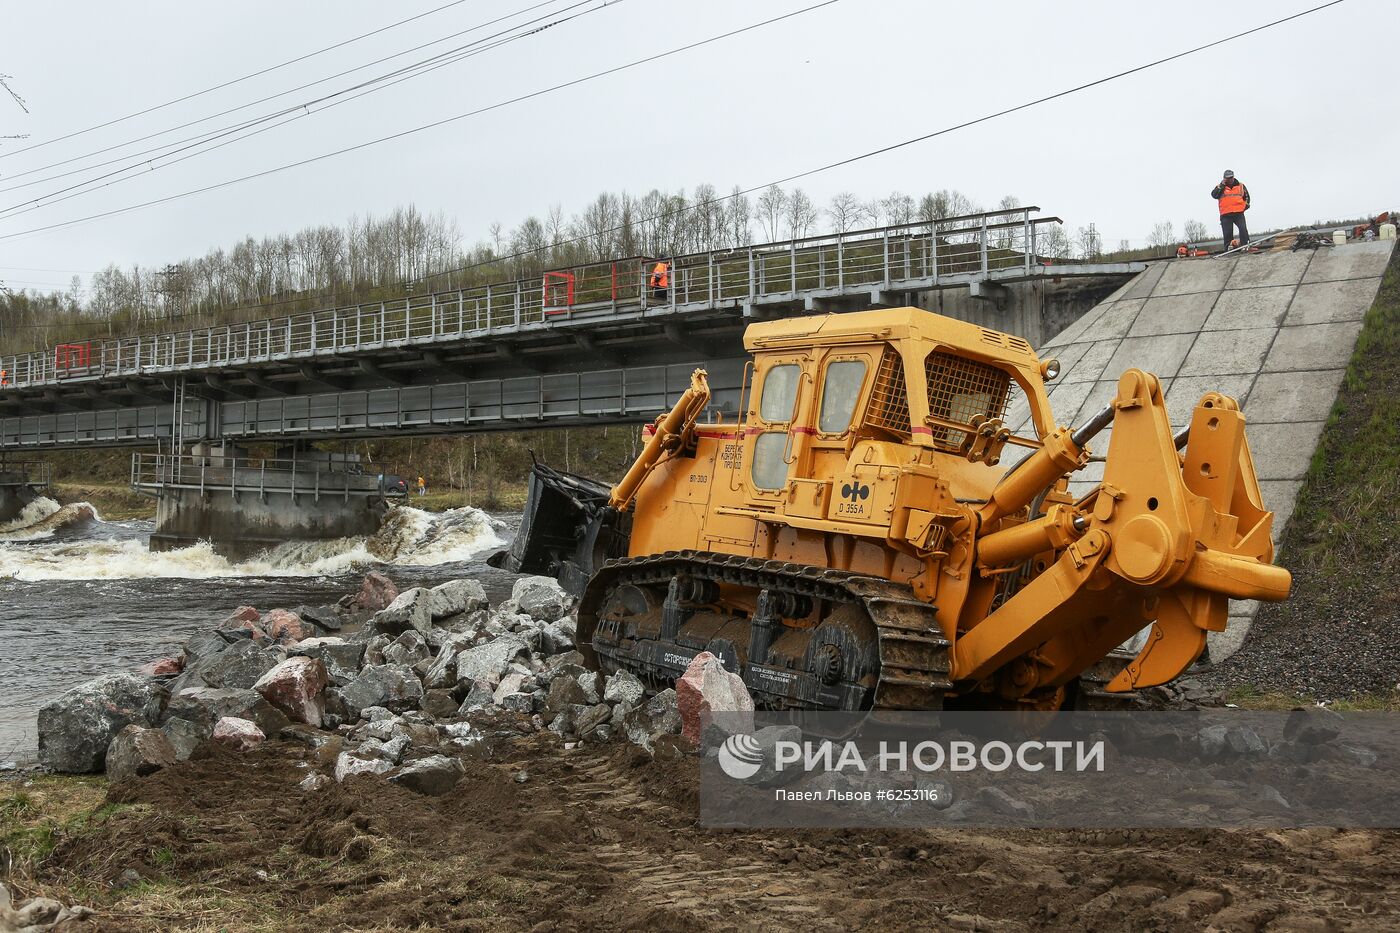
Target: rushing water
[{"x": 81, "y": 597}]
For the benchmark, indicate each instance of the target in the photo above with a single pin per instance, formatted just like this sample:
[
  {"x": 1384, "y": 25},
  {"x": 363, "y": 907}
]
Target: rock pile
[{"x": 394, "y": 683}]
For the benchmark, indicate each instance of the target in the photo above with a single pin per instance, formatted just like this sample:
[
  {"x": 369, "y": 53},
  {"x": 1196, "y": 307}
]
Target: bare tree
[
  {"x": 1163, "y": 234},
  {"x": 1194, "y": 231},
  {"x": 1089, "y": 242},
  {"x": 737, "y": 219},
  {"x": 1052, "y": 241},
  {"x": 898, "y": 208},
  {"x": 847, "y": 212},
  {"x": 772, "y": 205},
  {"x": 800, "y": 214}
]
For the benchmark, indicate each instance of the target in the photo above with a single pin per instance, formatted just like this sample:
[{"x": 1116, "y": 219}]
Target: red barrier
[
  {"x": 557, "y": 285},
  {"x": 72, "y": 356}
]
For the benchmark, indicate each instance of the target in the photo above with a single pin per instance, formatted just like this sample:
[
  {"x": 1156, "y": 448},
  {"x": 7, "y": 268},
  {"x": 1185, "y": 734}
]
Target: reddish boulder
[
  {"x": 707, "y": 687},
  {"x": 162, "y": 667},
  {"x": 297, "y": 687},
  {"x": 244, "y": 618},
  {"x": 285, "y": 627},
  {"x": 239, "y": 734},
  {"x": 376, "y": 592}
]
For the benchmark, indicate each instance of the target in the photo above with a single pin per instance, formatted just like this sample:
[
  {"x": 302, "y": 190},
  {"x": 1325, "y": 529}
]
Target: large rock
[
  {"x": 624, "y": 687},
  {"x": 488, "y": 662},
  {"x": 202, "y": 645},
  {"x": 285, "y": 627},
  {"x": 541, "y": 598},
  {"x": 434, "y": 775},
  {"x": 205, "y": 706},
  {"x": 184, "y": 736},
  {"x": 409, "y": 610},
  {"x": 442, "y": 673},
  {"x": 239, "y": 666},
  {"x": 706, "y": 687},
  {"x": 76, "y": 728},
  {"x": 352, "y": 763},
  {"x": 244, "y": 622},
  {"x": 392, "y": 686},
  {"x": 239, "y": 734},
  {"x": 342, "y": 659},
  {"x": 295, "y": 687},
  {"x": 558, "y": 637},
  {"x": 455, "y": 597},
  {"x": 137, "y": 751},
  {"x": 324, "y": 618},
  {"x": 408, "y": 649},
  {"x": 657, "y": 717},
  {"x": 376, "y": 592},
  {"x": 162, "y": 667}
]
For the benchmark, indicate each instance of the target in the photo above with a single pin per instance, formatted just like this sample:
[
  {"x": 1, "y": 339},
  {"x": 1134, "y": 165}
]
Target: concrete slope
[{"x": 1272, "y": 330}]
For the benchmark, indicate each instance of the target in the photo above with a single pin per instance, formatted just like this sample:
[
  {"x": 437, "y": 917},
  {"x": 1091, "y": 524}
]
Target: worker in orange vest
[
  {"x": 1234, "y": 201},
  {"x": 660, "y": 280}
]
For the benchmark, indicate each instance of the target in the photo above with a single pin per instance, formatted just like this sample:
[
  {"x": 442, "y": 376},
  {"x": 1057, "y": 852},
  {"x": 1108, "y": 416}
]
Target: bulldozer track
[{"x": 914, "y": 656}]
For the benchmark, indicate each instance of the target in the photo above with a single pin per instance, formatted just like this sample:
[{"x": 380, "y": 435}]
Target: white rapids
[{"x": 408, "y": 536}]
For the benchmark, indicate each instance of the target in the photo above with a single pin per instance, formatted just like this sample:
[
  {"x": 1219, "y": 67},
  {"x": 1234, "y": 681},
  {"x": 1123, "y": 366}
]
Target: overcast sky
[{"x": 1297, "y": 111}]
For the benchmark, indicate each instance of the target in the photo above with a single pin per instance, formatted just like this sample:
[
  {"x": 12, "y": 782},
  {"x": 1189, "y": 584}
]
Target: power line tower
[{"x": 172, "y": 289}]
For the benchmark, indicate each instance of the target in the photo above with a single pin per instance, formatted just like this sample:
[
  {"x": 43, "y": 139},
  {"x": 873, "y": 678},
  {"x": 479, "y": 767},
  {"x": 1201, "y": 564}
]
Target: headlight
[{"x": 1050, "y": 369}]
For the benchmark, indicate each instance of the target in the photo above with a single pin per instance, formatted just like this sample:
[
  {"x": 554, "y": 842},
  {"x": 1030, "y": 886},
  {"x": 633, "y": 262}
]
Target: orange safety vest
[
  {"x": 661, "y": 275},
  {"x": 1232, "y": 200}
]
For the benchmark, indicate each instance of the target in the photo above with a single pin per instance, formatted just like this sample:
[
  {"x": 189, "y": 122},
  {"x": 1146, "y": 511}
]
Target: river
[{"x": 80, "y": 596}]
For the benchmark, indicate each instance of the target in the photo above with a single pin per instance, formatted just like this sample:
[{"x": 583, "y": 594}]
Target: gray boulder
[
  {"x": 205, "y": 706},
  {"x": 439, "y": 703},
  {"x": 324, "y": 618},
  {"x": 442, "y": 673},
  {"x": 658, "y": 716},
  {"x": 184, "y": 736},
  {"x": 557, "y": 637},
  {"x": 541, "y": 598},
  {"x": 137, "y": 751},
  {"x": 348, "y": 764},
  {"x": 624, "y": 687},
  {"x": 488, "y": 662},
  {"x": 240, "y": 665},
  {"x": 455, "y": 597},
  {"x": 412, "y": 610},
  {"x": 767, "y": 740},
  {"x": 343, "y": 659},
  {"x": 408, "y": 649},
  {"x": 392, "y": 686},
  {"x": 1003, "y": 804},
  {"x": 587, "y": 719},
  {"x": 433, "y": 776},
  {"x": 76, "y": 728},
  {"x": 479, "y": 696},
  {"x": 202, "y": 645}
]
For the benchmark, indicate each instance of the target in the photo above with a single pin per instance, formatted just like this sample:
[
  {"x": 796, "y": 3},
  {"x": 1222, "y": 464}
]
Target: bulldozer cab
[{"x": 841, "y": 404}]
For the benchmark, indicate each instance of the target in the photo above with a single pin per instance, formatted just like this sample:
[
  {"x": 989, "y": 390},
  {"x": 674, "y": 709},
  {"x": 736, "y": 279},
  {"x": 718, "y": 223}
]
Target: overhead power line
[
  {"x": 746, "y": 191},
  {"x": 227, "y": 136},
  {"x": 253, "y": 103},
  {"x": 218, "y": 87},
  {"x": 427, "y": 126}
]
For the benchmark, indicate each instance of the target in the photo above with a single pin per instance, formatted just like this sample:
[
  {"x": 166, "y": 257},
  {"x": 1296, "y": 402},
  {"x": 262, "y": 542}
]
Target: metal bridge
[{"x": 588, "y": 344}]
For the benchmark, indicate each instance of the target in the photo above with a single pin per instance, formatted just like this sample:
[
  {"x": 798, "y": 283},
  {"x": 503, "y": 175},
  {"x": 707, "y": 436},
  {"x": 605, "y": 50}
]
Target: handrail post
[
  {"x": 1026, "y": 239},
  {"x": 984, "y": 244},
  {"x": 792, "y": 260},
  {"x": 886, "y": 238},
  {"x": 753, "y": 282},
  {"x": 517, "y": 302},
  {"x": 933, "y": 251},
  {"x": 840, "y": 262}
]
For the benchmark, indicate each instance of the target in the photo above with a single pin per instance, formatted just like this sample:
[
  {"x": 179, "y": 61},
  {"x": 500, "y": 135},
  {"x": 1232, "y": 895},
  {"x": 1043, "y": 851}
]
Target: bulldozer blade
[{"x": 1174, "y": 643}]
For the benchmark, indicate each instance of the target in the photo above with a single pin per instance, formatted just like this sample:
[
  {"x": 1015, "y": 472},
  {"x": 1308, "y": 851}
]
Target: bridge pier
[
  {"x": 243, "y": 506},
  {"x": 21, "y": 482}
]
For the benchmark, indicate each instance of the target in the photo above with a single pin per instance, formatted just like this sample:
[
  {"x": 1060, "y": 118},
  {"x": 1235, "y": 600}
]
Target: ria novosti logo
[{"x": 740, "y": 756}]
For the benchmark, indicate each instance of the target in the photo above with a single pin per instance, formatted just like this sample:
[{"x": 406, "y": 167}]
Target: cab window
[
  {"x": 840, "y": 392},
  {"x": 769, "y": 468},
  {"x": 779, "y": 393}
]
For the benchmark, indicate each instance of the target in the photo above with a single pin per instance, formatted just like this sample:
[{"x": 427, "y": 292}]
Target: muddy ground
[{"x": 606, "y": 838}]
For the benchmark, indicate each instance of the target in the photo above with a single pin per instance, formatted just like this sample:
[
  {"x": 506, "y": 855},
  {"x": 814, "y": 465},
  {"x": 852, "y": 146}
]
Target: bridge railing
[
  {"x": 218, "y": 473},
  {"x": 918, "y": 253}
]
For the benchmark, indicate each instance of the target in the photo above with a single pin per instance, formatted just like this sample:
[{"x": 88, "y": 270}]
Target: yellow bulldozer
[{"x": 873, "y": 535}]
